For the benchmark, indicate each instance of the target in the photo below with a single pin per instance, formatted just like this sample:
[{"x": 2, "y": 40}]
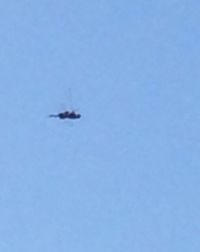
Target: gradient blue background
[{"x": 124, "y": 178}]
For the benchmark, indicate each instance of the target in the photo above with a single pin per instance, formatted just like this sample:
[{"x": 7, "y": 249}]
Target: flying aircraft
[{"x": 67, "y": 115}]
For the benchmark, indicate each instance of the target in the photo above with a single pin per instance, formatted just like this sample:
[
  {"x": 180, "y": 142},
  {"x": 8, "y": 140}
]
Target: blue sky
[{"x": 126, "y": 176}]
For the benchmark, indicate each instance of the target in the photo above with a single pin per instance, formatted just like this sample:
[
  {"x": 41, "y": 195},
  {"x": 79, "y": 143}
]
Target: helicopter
[{"x": 67, "y": 115}]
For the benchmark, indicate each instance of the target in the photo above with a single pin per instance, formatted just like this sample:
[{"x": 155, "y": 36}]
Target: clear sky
[{"x": 124, "y": 178}]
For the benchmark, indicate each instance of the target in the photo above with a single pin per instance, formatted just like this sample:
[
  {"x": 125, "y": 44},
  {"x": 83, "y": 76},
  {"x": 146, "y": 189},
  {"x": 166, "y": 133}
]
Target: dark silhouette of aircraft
[{"x": 67, "y": 115}]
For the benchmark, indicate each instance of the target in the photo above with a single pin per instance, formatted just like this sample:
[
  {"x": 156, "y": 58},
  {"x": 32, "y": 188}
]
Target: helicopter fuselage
[{"x": 67, "y": 115}]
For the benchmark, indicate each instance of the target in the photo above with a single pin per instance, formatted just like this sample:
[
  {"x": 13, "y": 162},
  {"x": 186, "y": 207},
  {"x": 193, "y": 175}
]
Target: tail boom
[{"x": 53, "y": 115}]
